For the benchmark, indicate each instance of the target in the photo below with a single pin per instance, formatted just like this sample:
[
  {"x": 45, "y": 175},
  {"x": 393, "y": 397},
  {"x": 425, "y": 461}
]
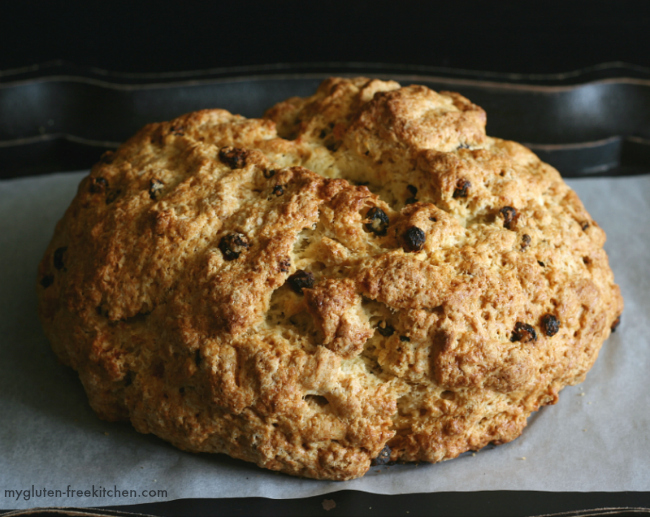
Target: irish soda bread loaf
[{"x": 362, "y": 275}]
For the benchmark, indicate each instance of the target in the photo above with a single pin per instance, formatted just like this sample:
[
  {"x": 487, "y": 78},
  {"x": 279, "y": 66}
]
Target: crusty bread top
[{"x": 360, "y": 274}]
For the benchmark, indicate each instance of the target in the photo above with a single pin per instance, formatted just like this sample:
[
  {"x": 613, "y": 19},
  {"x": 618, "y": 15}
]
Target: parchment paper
[{"x": 595, "y": 439}]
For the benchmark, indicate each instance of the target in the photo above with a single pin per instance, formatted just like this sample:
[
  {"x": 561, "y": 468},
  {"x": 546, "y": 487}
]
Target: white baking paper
[{"x": 597, "y": 438}]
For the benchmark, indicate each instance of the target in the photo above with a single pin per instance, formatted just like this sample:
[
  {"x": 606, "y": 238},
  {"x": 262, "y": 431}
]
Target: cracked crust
[{"x": 359, "y": 269}]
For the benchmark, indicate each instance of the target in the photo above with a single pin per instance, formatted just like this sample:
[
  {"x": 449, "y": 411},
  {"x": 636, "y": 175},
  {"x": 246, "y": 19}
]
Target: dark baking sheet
[{"x": 57, "y": 117}]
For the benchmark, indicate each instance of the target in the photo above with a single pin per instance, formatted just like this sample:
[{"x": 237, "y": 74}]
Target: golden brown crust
[{"x": 361, "y": 268}]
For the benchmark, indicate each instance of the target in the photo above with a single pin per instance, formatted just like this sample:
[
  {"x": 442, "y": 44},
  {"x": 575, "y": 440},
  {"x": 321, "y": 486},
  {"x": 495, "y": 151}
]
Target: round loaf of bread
[{"x": 362, "y": 275}]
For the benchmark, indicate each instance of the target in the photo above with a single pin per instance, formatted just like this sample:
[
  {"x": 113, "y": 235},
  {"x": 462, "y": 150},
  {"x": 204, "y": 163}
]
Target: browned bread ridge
[{"x": 360, "y": 274}]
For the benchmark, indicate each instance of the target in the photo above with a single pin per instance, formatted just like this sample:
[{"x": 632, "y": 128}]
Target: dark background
[{"x": 146, "y": 37}]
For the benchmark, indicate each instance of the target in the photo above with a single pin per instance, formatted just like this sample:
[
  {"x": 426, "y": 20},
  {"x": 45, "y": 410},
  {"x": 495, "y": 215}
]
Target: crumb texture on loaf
[{"x": 360, "y": 269}]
